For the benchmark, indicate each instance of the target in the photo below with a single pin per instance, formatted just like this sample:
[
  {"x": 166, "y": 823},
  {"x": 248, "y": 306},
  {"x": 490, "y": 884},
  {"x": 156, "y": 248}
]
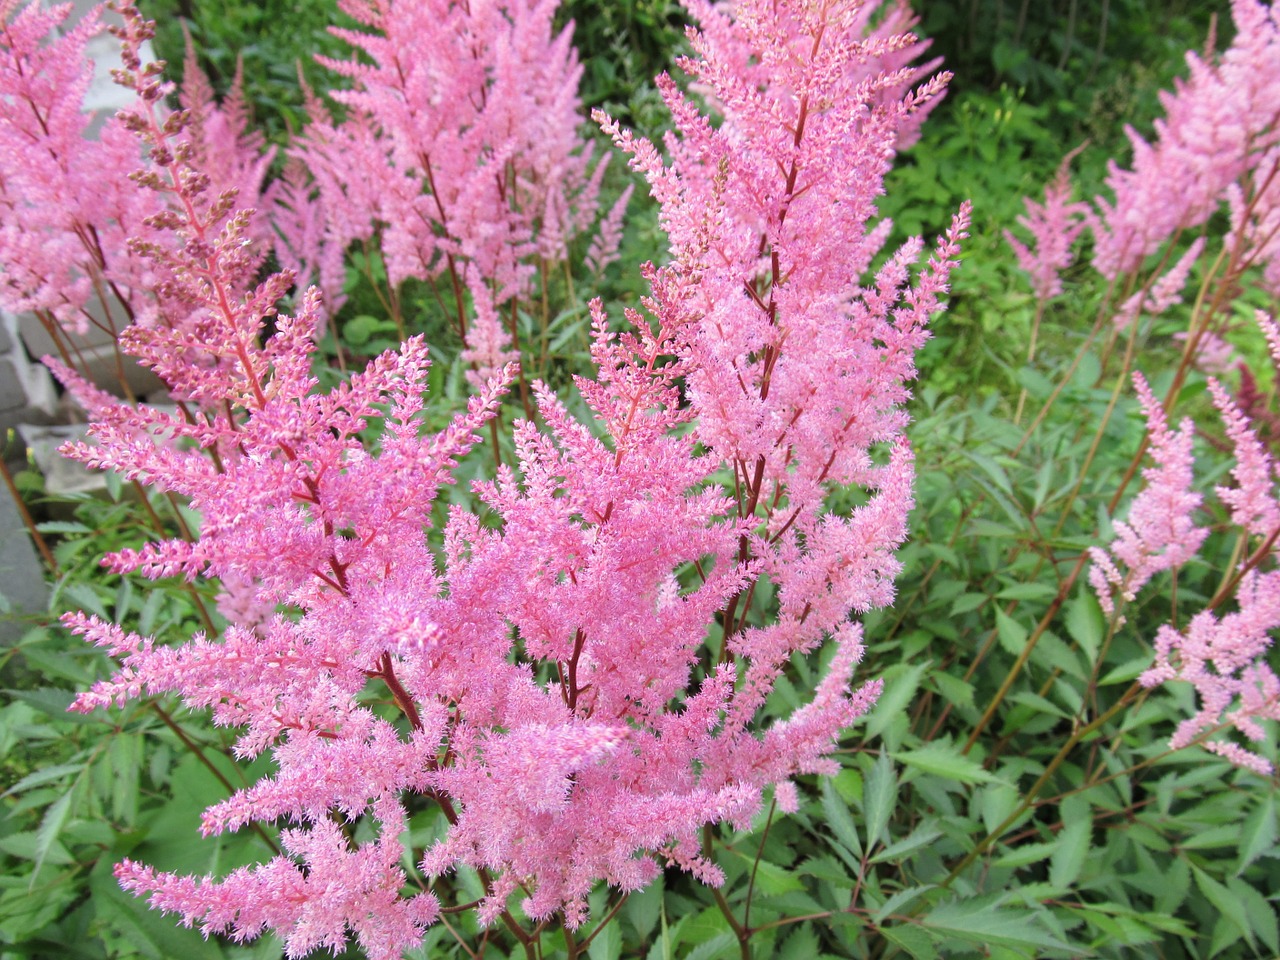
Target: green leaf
[
  {"x": 801, "y": 945},
  {"x": 1027, "y": 853},
  {"x": 915, "y": 941},
  {"x": 922, "y": 836},
  {"x": 1126, "y": 672},
  {"x": 878, "y": 798},
  {"x": 644, "y": 907},
  {"x": 1028, "y": 591},
  {"x": 967, "y": 602},
  {"x": 50, "y": 827},
  {"x": 897, "y": 901},
  {"x": 1259, "y": 834},
  {"x": 839, "y": 822},
  {"x": 721, "y": 945},
  {"x": 955, "y": 691},
  {"x": 900, "y": 688},
  {"x": 1073, "y": 843},
  {"x": 771, "y": 879},
  {"x": 1262, "y": 919},
  {"x": 946, "y": 761},
  {"x": 991, "y": 469},
  {"x": 983, "y": 922},
  {"x": 827, "y": 869},
  {"x": 54, "y": 702},
  {"x": 43, "y": 776},
  {"x": 1230, "y": 908},
  {"x": 1085, "y": 623},
  {"x": 607, "y": 944},
  {"x": 1012, "y": 634},
  {"x": 24, "y": 846}
]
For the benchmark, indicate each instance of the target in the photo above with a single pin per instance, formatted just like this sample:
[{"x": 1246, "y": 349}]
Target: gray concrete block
[
  {"x": 27, "y": 393},
  {"x": 62, "y": 477},
  {"x": 22, "y": 582}
]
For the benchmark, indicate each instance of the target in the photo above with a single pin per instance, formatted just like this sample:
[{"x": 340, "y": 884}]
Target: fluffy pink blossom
[
  {"x": 1223, "y": 656},
  {"x": 1217, "y": 126},
  {"x": 1225, "y": 659},
  {"x": 1054, "y": 226},
  {"x": 459, "y": 149},
  {"x": 576, "y": 678},
  {"x": 1161, "y": 532},
  {"x": 71, "y": 222}
]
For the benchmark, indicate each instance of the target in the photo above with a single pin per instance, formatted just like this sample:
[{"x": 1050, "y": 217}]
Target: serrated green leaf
[
  {"x": 1028, "y": 591},
  {"x": 985, "y": 923},
  {"x": 23, "y": 845},
  {"x": 1085, "y": 623},
  {"x": 839, "y": 821},
  {"x": 1011, "y": 634},
  {"x": 63, "y": 526},
  {"x": 1073, "y": 844},
  {"x": 917, "y": 942},
  {"x": 967, "y": 602},
  {"x": 1259, "y": 914},
  {"x": 1026, "y": 853},
  {"x": 826, "y": 869},
  {"x": 900, "y": 686},
  {"x": 50, "y": 827},
  {"x": 996, "y": 802},
  {"x": 922, "y": 836},
  {"x": 607, "y": 944},
  {"x": 54, "y": 702},
  {"x": 992, "y": 469},
  {"x": 721, "y": 945},
  {"x": 1126, "y": 672},
  {"x": 644, "y": 907},
  {"x": 953, "y": 690},
  {"x": 1231, "y": 910},
  {"x": 946, "y": 761},
  {"x": 1259, "y": 833},
  {"x": 897, "y": 901},
  {"x": 44, "y": 776},
  {"x": 801, "y": 945},
  {"x": 878, "y": 797},
  {"x": 771, "y": 879}
]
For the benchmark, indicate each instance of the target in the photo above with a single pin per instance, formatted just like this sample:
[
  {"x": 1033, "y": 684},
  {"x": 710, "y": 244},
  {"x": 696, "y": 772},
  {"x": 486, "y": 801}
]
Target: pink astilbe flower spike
[
  {"x": 72, "y": 224},
  {"x": 1054, "y": 226},
  {"x": 459, "y": 146},
  {"x": 1255, "y": 219},
  {"x": 1253, "y": 499},
  {"x": 1224, "y": 658},
  {"x": 1160, "y": 533},
  {"x": 576, "y": 680},
  {"x": 1217, "y": 126}
]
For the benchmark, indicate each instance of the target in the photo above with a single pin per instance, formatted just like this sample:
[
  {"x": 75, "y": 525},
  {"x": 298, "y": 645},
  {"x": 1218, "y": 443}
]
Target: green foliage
[
  {"x": 85, "y": 791},
  {"x": 272, "y": 41},
  {"x": 624, "y": 45}
]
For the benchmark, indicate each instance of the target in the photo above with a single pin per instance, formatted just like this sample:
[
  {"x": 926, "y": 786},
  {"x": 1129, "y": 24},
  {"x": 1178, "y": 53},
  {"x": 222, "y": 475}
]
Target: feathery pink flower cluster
[
  {"x": 1161, "y": 533},
  {"x": 1224, "y": 656},
  {"x": 1054, "y": 226},
  {"x": 1218, "y": 125},
  {"x": 458, "y": 150},
  {"x": 574, "y": 684},
  {"x": 70, "y": 218},
  {"x": 1217, "y": 144}
]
